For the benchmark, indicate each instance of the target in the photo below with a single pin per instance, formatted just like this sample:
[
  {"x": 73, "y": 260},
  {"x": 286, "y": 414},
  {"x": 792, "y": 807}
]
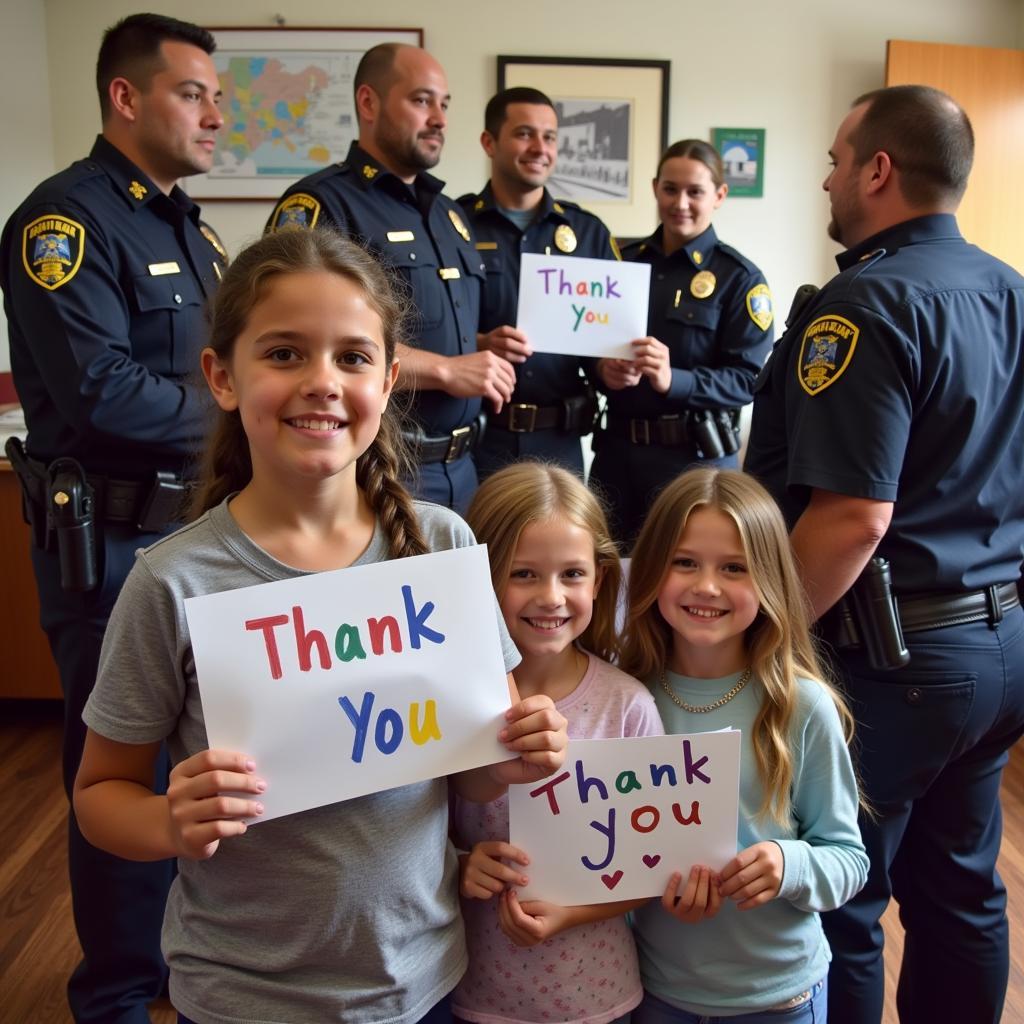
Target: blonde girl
[
  {"x": 557, "y": 574},
  {"x": 717, "y": 625},
  {"x": 345, "y": 912}
]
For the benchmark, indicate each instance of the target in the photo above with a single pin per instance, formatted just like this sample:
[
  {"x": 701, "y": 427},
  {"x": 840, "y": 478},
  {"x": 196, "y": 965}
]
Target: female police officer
[{"x": 709, "y": 330}]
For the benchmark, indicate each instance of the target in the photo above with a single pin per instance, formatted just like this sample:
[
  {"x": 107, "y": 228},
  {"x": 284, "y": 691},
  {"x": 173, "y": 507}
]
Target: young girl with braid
[{"x": 344, "y": 912}]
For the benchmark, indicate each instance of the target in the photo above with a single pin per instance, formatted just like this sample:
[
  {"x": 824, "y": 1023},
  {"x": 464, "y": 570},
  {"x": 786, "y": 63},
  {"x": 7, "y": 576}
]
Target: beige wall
[
  {"x": 790, "y": 67},
  {"x": 25, "y": 122}
]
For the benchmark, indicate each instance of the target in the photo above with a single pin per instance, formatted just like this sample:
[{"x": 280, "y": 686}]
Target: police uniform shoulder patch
[
  {"x": 759, "y": 306},
  {"x": 825, "y": 352},
  {"x": 52, "y": 248},
  {"x": 458, "y": 225},
  {"x": 295, "y": 211}
]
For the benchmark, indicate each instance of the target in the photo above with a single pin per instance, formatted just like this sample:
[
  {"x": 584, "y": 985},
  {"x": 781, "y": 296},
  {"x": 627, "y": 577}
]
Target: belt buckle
[
  {"x": 529, "y": 412},
  {"x": 458, "y": 444},
  {"x": 640, "y": 436}
]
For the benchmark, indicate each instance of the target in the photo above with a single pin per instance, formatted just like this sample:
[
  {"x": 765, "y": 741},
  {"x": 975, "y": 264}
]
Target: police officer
[
  {"x": 553, "y": 404},
  {"x": 677, "y": 401},
  {"x": 383, "y": 197},
  {"x": 104, "y": 270},
  {"x": 889, "y": 424}
]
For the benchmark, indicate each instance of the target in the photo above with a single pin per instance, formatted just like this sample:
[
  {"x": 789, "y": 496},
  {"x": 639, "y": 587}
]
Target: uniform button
[
  {"x": 661, "y": 277},
  {"x": 529, "y": 373},
  {"x": 458, "y": 305},
  {"x": 914, "y": 695},
  {"x": 412, "y": 255},
  {"x": 177, "y": 299}
]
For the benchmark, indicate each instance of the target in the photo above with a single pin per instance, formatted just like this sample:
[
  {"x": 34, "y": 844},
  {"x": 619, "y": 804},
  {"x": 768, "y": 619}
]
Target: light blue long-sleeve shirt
[{"x": 754, "y": 959}]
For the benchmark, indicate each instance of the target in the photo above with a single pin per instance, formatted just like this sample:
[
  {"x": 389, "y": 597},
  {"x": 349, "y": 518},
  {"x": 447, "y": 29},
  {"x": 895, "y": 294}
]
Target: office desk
[{"x": 27, "y": 668}]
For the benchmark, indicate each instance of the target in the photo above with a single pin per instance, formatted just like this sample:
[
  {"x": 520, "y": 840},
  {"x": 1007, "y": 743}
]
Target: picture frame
[
  {"x": 303, "y": 120},
  {"x": 613, "y": 128},
  {"x": 742, "y": 153}
]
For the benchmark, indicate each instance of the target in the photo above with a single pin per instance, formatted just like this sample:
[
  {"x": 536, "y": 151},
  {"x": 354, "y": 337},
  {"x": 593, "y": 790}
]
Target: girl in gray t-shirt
[{"x": 349, "y": 911}]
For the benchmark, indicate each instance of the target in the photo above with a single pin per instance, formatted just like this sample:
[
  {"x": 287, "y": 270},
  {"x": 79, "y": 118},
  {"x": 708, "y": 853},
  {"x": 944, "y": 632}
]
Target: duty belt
[
  {"x": 149, "y": 505},
  {"x": 919, "y": 612},
  {"x": 447, "y": 447},
  {"x": 667, "y": 430},
  {"x": 573, "y": 415}
]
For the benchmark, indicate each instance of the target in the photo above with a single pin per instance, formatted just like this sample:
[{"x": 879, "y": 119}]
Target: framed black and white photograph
[
  {"x": 287, "y": 104},
  {"x": 612, "y": 128}
]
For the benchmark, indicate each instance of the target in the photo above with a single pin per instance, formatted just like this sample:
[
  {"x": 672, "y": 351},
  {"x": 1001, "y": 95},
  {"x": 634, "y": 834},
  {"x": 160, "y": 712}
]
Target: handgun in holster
[
  {"x": 32, "y": 477},
  {"x": 70, "y": 506},
  {"x": 869, "y": 614}
]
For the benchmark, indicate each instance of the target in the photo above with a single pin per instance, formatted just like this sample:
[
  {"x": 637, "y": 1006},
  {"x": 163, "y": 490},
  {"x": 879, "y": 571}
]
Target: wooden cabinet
[{"x": 26, "y": 668}]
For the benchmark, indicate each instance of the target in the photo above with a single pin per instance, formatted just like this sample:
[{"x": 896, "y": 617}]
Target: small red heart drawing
[
  {"x": 612, "y": 880},
  {"x": 651, "y": 859}
]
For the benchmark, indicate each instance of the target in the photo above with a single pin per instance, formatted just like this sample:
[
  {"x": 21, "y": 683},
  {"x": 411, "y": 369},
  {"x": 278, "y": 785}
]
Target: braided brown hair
[{"x": 226, "y": 465}]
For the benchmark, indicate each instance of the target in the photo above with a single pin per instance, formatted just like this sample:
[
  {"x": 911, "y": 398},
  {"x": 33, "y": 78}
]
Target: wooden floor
[{"x": 38, "y": 947}]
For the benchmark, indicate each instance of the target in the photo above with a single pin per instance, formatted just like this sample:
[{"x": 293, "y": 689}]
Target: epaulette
[
  {"x": 62, "y": 184},
  {"x": 742, "y": 260},
  {"x": 634, "y": 248},
  {"x": 468, "y": 201},
  {"x": 568, "y": 204},
  {"x": 325, "y": 172}
]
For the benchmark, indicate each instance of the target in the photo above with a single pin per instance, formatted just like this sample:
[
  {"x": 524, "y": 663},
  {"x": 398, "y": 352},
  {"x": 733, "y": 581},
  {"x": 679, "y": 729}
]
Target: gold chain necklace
[{"x": 704, "y": 708}]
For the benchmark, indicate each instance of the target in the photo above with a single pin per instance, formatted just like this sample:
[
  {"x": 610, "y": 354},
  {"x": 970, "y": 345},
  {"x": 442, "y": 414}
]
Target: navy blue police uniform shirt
[
  {"x": 711, "y": 306},
  {"x": 421, "y": 234},
  {"x": 104, "y": 281},
  {"x": 559, "y": 229},
  {"x": 901, "y": 382}
]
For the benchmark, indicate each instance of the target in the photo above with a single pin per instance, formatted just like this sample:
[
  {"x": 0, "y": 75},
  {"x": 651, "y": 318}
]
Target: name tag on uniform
[
  {"x": 481, "y": 246},
  {"x": 401, "y": 236},
  {"x": 449, "y": 273},
  {"x": 158, "y": 269}
]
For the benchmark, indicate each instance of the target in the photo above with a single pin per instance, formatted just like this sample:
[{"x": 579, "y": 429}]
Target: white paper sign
[
  {"x": 579, "y": 306},
  {"x": 354, "y": 681},
  {"x": 623, "y": 814}
]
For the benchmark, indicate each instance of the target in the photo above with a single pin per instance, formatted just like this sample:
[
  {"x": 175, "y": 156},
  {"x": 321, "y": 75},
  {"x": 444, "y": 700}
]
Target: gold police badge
[
  {"x": 825, "y": 352},
  {"x": 759, "y": 306},
  {"x": 565, "y": 238},
  {"x": 52, "y": 248},
  {"x": 297, "y": 211},
  {"x": 458, "y": 225},
  {"x": 703, "y": 284},
  {"x": 211, "y": 236}
]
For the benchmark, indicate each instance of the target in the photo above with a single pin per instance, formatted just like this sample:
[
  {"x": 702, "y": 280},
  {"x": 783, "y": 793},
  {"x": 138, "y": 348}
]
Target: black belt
[
  {"x": 151, "y": 505},
  {"x": 446, "y": 448},
  {"x": 667, "y": 430},
  {"x": 933, "y": 611},
  {"x": 572, "y": 416},
  {"x": 525, "y": 418},
  {"x": 919, "y": 612}
]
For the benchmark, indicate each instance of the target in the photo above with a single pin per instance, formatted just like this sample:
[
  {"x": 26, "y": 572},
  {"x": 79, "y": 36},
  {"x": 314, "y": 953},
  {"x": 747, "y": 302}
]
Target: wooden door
[{"x": 989, "y": 84}]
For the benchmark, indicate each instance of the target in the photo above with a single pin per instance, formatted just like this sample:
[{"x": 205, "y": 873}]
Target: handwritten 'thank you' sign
[
  {"x": 622, "y": 815},
  {"x": 580, "y": 306},
  {"x": 349, "y": 682}
]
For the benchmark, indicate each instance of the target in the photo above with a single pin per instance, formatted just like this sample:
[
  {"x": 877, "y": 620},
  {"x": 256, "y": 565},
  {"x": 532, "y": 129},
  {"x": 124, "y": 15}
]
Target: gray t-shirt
[{"x": 342, "y": 913}]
